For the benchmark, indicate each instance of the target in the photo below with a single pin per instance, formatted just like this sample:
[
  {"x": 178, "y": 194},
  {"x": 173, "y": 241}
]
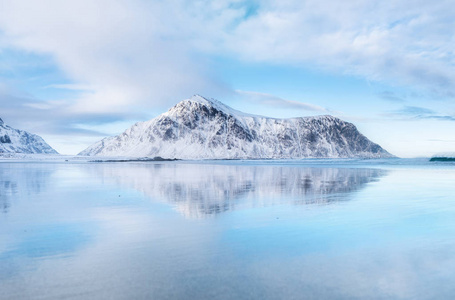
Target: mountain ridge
[
  {"x": 19, "y": 141},
  {"x": 201, "y": 128}
]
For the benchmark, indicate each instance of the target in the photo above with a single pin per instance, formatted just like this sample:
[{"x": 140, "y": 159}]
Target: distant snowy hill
[
  {"x": 199, "y": 128},
  {"x": 19, "y": 141}
]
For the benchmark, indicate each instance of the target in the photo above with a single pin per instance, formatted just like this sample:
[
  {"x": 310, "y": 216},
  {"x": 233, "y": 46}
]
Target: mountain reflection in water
[
  {"x": 19, "y": 178},
  {"x": 201, "y": 190}
]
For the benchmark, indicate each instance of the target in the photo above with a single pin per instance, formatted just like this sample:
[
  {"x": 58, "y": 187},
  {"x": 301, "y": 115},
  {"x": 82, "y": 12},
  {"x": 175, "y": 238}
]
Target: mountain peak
[
  {"x": 1, "y": 121},
  {"x": 197, "y": 97},
  {"x": 206, "y": 101},
  {"x": 196, "y": 102}
]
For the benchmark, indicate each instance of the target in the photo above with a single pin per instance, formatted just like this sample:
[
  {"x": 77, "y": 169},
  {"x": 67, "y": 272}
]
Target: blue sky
[{"x": 76, "y": 71}]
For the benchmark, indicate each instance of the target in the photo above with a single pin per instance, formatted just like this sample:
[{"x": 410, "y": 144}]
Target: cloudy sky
[{"x": 77, "y": 71}]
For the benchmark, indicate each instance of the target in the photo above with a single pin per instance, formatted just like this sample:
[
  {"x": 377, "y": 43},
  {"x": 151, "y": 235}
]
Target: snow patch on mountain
[{"x": 201, "y": 128}]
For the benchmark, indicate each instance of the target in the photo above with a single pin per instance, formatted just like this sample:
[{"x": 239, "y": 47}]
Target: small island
[{"x": 442, "y": 158}]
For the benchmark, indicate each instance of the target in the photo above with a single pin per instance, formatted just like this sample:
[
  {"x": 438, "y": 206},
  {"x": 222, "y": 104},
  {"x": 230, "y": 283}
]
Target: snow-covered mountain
[
  {"x": 199, "y": 128},
  {"x": 19, "y": 141}
]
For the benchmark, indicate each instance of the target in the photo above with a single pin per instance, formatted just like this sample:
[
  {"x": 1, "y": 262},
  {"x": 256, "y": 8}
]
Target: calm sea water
[{"x": 315, "y": 229}]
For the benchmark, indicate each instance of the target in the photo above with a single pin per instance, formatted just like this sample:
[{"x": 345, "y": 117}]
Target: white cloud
[
  {"x": 122, "y": 49},
  {"x": 151, "y": 52},
  {"x": 69, "y": 86},
  {"x": 405, "y": 42},
  {"x": 275, "y": 101}
]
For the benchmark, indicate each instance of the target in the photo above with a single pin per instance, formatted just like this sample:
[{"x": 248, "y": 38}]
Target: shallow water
[{"x": 312, "y": 229}]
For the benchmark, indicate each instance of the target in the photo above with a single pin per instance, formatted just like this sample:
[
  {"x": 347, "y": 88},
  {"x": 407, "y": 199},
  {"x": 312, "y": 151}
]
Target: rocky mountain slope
[
  {"x": 19, "y": 141},
  {"x": 199, "y": 128}
]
